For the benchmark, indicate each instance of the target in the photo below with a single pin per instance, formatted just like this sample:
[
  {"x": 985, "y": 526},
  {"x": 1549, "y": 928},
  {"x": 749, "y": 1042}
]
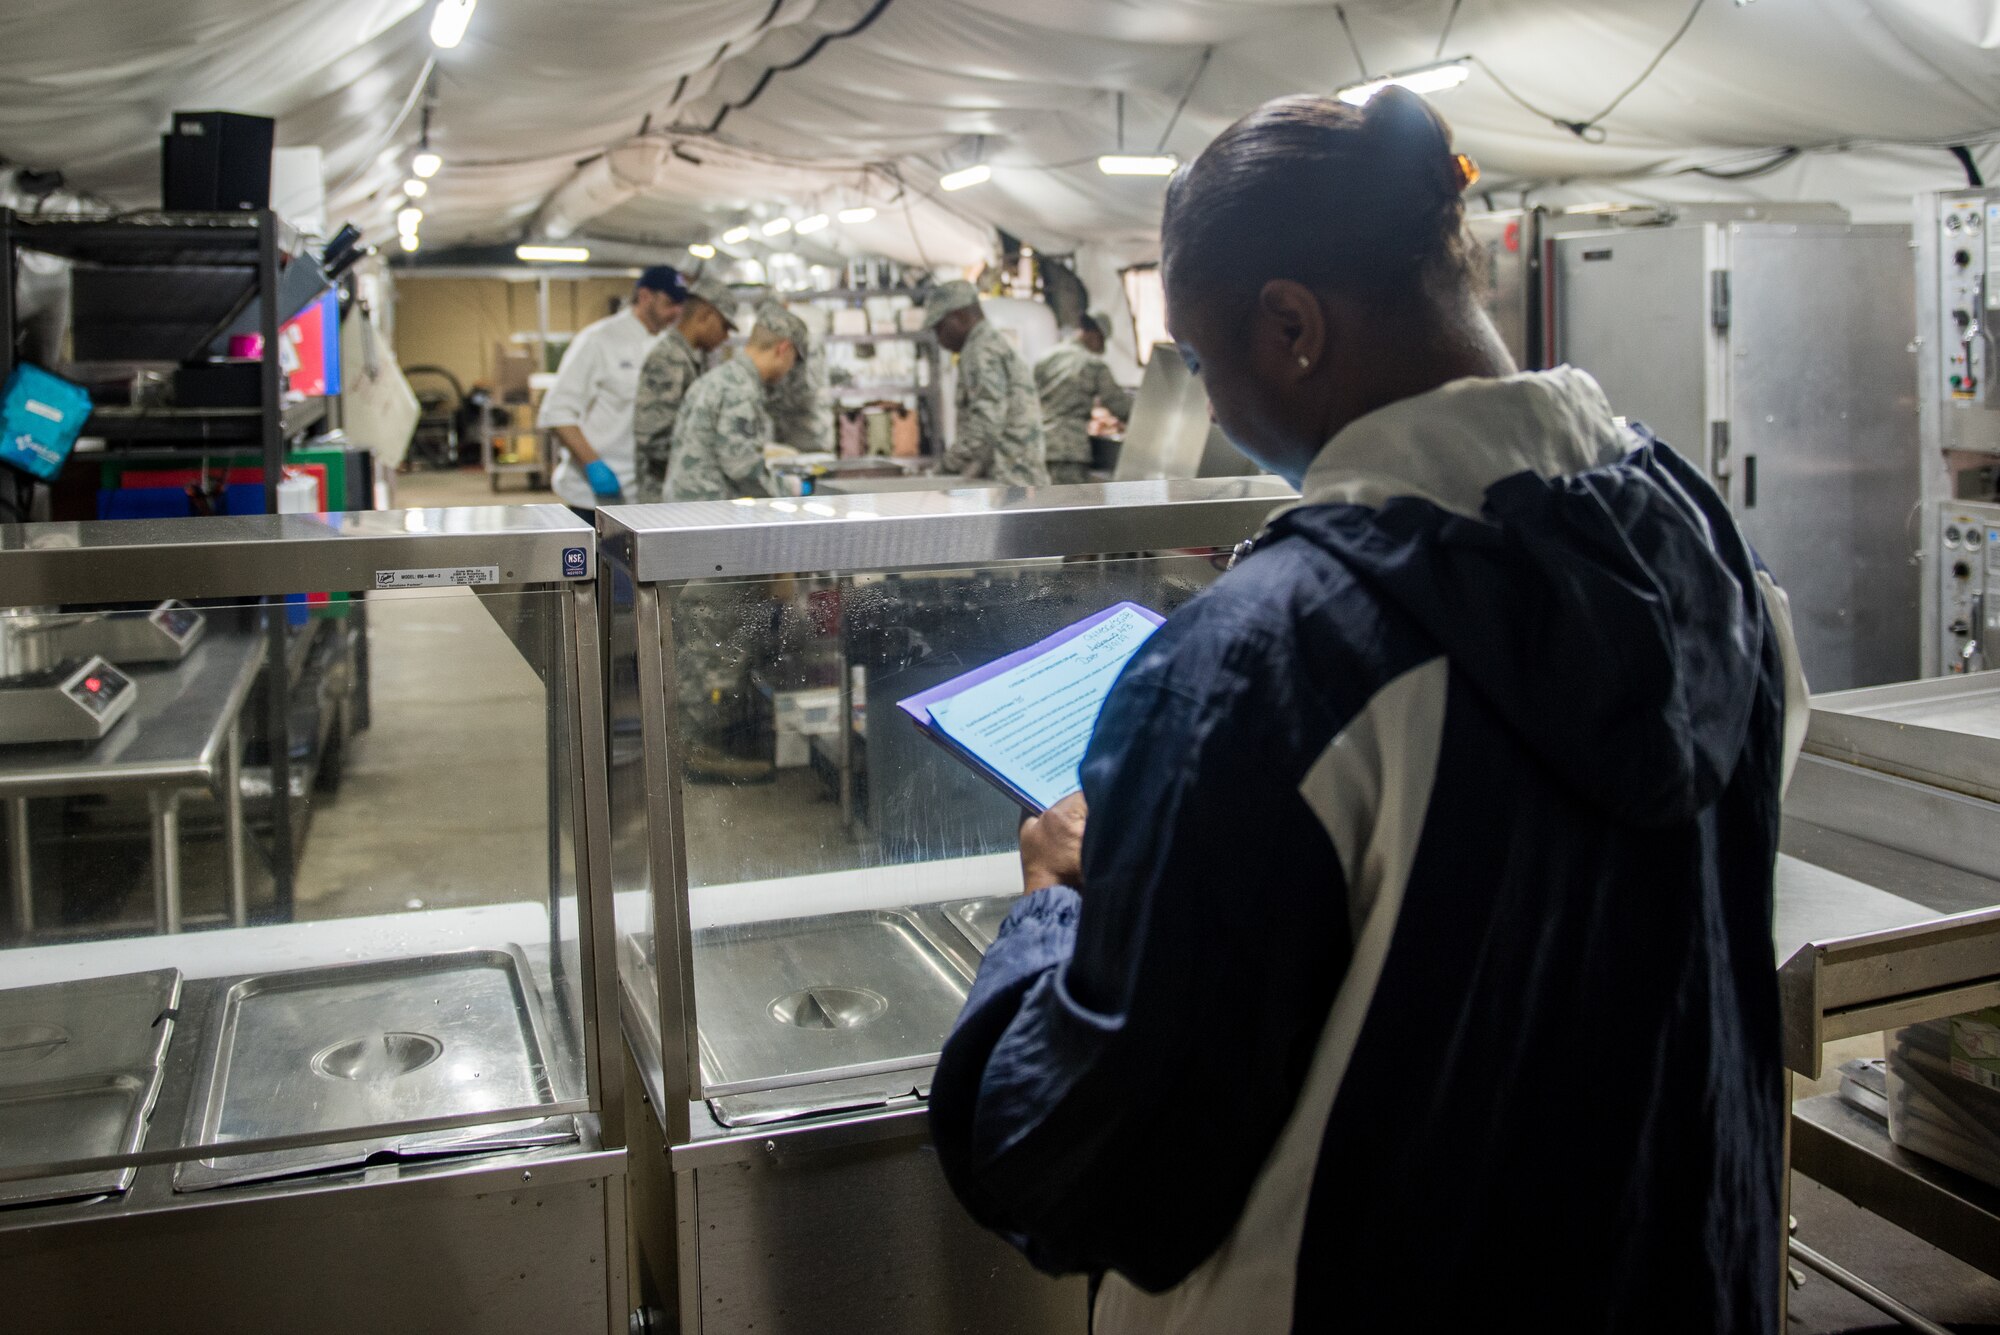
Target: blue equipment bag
[{"x": 41, "y": 416}]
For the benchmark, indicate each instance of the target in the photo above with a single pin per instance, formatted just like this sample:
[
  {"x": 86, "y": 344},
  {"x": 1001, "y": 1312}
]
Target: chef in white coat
[{"x": 590, "y": 406}]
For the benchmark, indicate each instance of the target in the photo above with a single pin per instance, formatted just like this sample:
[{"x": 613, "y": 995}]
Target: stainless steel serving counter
[
  {"x": 182, "y": 732},
  {"x": 371, "y": 1119},
  {"x": 518, "y": 1239}
]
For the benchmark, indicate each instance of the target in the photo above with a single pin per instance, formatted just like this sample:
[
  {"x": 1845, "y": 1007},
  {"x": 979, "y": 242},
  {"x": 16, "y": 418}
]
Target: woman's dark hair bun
[
  {"x": 1405, "y": 122},
  {"x": 1366, "y": 200}
]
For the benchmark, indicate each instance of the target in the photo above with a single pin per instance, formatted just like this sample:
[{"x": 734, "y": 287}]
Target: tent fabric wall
[{"x": 528, "y": 106}]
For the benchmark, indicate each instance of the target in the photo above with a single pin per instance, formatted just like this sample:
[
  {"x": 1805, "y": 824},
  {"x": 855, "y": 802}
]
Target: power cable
[
  {"x": 1340, "y": 12},
  {"x": 1965, "y": 160},
  {"x": 1590, "y": 129},
  {"x": 1450, "y": 18},
  {"x": 1207, "y": 54},
  {"x": 860, "y": 25},
  {"x": 393, "y": 129},
  {"x": 1779, "y": 160}
]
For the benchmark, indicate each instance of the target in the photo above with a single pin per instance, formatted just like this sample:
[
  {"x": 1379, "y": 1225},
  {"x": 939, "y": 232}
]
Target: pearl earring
[{"x": 1304, "y": 362}]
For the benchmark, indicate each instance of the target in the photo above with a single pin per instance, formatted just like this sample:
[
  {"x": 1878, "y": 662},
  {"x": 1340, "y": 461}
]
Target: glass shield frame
[
  {"x": 1027, "y": 582},
  {"x": 535, "y": 627}
]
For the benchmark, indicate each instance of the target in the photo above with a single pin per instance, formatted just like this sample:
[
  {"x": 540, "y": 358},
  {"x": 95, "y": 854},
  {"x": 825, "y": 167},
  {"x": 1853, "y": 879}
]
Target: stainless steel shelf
[{"x": 1840, "y": 1147}]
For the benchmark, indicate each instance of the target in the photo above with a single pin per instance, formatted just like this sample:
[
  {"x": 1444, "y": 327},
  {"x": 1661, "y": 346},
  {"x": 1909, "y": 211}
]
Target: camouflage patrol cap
[
  {"x": 710, "y": 288},
  {"x": 946, "y": 298},
  {"x": 772, "y": 315}
]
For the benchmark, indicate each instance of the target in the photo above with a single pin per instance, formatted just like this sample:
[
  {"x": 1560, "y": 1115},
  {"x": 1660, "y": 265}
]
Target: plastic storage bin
[{"x": 1944, "y": 1092}]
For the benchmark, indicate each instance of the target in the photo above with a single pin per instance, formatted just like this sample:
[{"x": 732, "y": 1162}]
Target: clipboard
[{"x": 1022, "y": 722}]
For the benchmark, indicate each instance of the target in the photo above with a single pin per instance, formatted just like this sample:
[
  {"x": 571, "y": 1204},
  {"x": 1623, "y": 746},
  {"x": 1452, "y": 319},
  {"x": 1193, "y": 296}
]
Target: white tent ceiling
[{"x": 888, "y": 93}]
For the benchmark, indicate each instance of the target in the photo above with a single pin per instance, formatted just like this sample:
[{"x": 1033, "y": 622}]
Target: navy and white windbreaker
[{"x": 1424, "y": 959}]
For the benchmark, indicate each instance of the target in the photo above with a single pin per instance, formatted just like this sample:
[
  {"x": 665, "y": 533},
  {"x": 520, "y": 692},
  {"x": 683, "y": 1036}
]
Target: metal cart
[
  {"x": 792, "y": 953},
  {"x": 395, "y": 1111},
  {"x": 1897, "y": 787}
]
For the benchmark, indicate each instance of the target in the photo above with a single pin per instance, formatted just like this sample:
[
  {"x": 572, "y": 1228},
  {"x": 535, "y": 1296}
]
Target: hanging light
[
  {"x": 859, "y": 215},
  {"x": 426, "y": 164},
  {"x": 959, "y": 180},
  {"x": 409, "y": 219},
  {"x": 736, "y": 236},
  {"x": 701, "y": 250},
  {"x": 817, "y": 223},
  {"x": 409, "y": 240},
  {"x": 415, "y": 188},
  {"x": 777, "y": 227},
  {"x": 1436, "y": 77},
  {"x": 1138, "y": 164},
  {"x": 552, "y": 254},
  {"x": 449, "y": 21}
]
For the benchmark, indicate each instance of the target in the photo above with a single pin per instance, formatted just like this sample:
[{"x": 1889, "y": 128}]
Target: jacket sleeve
[
  {"x": 1117, "y": 400},
  {"x": 982, "y": 419},
  {"x": 1188, "y": 980},
  {"x": 576, "y": 378}
]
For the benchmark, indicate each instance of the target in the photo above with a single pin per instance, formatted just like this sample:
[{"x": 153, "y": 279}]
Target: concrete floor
[
  {"x": 444, "y": 800},
  {"x": 462, "y": 486}
]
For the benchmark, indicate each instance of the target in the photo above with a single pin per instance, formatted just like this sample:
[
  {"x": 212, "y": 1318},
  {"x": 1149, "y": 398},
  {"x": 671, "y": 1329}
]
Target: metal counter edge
[
  {"x": 226, "y": 556},
  {"x": 755, "y": 536}
]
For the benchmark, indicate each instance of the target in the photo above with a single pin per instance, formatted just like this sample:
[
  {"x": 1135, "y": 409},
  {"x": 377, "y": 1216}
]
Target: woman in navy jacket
[{"x": 1408, "y": 950}]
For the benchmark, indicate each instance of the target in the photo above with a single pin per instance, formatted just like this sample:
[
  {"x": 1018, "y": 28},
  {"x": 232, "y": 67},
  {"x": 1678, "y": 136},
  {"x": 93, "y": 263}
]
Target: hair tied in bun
[{"x": 1468, "y": 171}]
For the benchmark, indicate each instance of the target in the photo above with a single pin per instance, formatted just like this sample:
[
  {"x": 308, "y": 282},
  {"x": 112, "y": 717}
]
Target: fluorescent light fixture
[
  {"x": 958, "y": 180},
  {"x": 409, "y": 240},
  {"x": 1433, "y": 78},
  {"x": 1149, "y": 164},
  {"x": 415, "y": 188},
  {"x": 735, "y": 236},
  {"x": 408, "y": 220},
  {"x": 426, "y": 164},
  {"x": 860, "y": 215},
  {"x": 701, "y": 250},
  {"x": 817, "y": 223},
  {"x": 553, "y": 254},
  {"x": 449, "y": 21},
  {"x": 777, "y": 227}
]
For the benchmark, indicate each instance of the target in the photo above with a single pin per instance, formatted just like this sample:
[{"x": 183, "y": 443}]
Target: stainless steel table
[{"x": 182, "y": 732}]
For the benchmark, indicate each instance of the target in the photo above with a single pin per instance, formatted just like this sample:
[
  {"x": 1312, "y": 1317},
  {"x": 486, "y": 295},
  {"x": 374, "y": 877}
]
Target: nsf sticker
[{"x": 576, "y": 562}]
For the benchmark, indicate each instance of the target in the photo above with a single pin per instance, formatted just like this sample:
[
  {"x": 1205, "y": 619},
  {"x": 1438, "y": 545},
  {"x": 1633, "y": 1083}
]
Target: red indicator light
[{"x": 93, "y": 684}]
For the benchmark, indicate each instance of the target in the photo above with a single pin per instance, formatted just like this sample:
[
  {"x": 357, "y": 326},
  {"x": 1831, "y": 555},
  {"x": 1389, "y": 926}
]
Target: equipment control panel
[
  {"x": 1968, "y": 315},
  {"x": 76, "y": 702},
  {"x": 98, "y": 687},
  {"x": 1968, "y": 566},
  {"x": 182, "y": 624}
]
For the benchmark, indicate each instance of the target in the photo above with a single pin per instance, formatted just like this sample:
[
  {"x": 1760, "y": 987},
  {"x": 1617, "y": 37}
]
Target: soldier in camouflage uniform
[
  {"x": 670, "y": 370},
  {"x": 1071, "y": 380},
  {"x": 999, "y": 419},
  {"x": 801, "y": 416},
  {"x": 723, "y": 427}
]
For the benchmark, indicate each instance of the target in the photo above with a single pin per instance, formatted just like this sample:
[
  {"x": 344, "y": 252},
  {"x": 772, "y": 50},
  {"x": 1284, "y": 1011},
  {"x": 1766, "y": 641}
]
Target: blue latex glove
[{"x": 603, "y": 482}]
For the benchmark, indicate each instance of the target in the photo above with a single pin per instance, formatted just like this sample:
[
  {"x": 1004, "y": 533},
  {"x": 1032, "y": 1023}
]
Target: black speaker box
[{"x": 216, "y": 161}]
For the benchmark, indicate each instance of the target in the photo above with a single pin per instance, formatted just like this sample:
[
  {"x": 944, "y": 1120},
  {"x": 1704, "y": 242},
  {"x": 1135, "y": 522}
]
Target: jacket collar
[{"x": 1448, "y": 445}]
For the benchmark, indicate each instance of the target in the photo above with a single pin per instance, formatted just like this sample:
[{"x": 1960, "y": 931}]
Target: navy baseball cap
[{"x": 664, "y": 278}]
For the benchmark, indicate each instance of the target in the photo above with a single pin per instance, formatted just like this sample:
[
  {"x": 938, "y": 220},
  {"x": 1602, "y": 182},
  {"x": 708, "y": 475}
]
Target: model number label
[{"x": 438, "y": 577}]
